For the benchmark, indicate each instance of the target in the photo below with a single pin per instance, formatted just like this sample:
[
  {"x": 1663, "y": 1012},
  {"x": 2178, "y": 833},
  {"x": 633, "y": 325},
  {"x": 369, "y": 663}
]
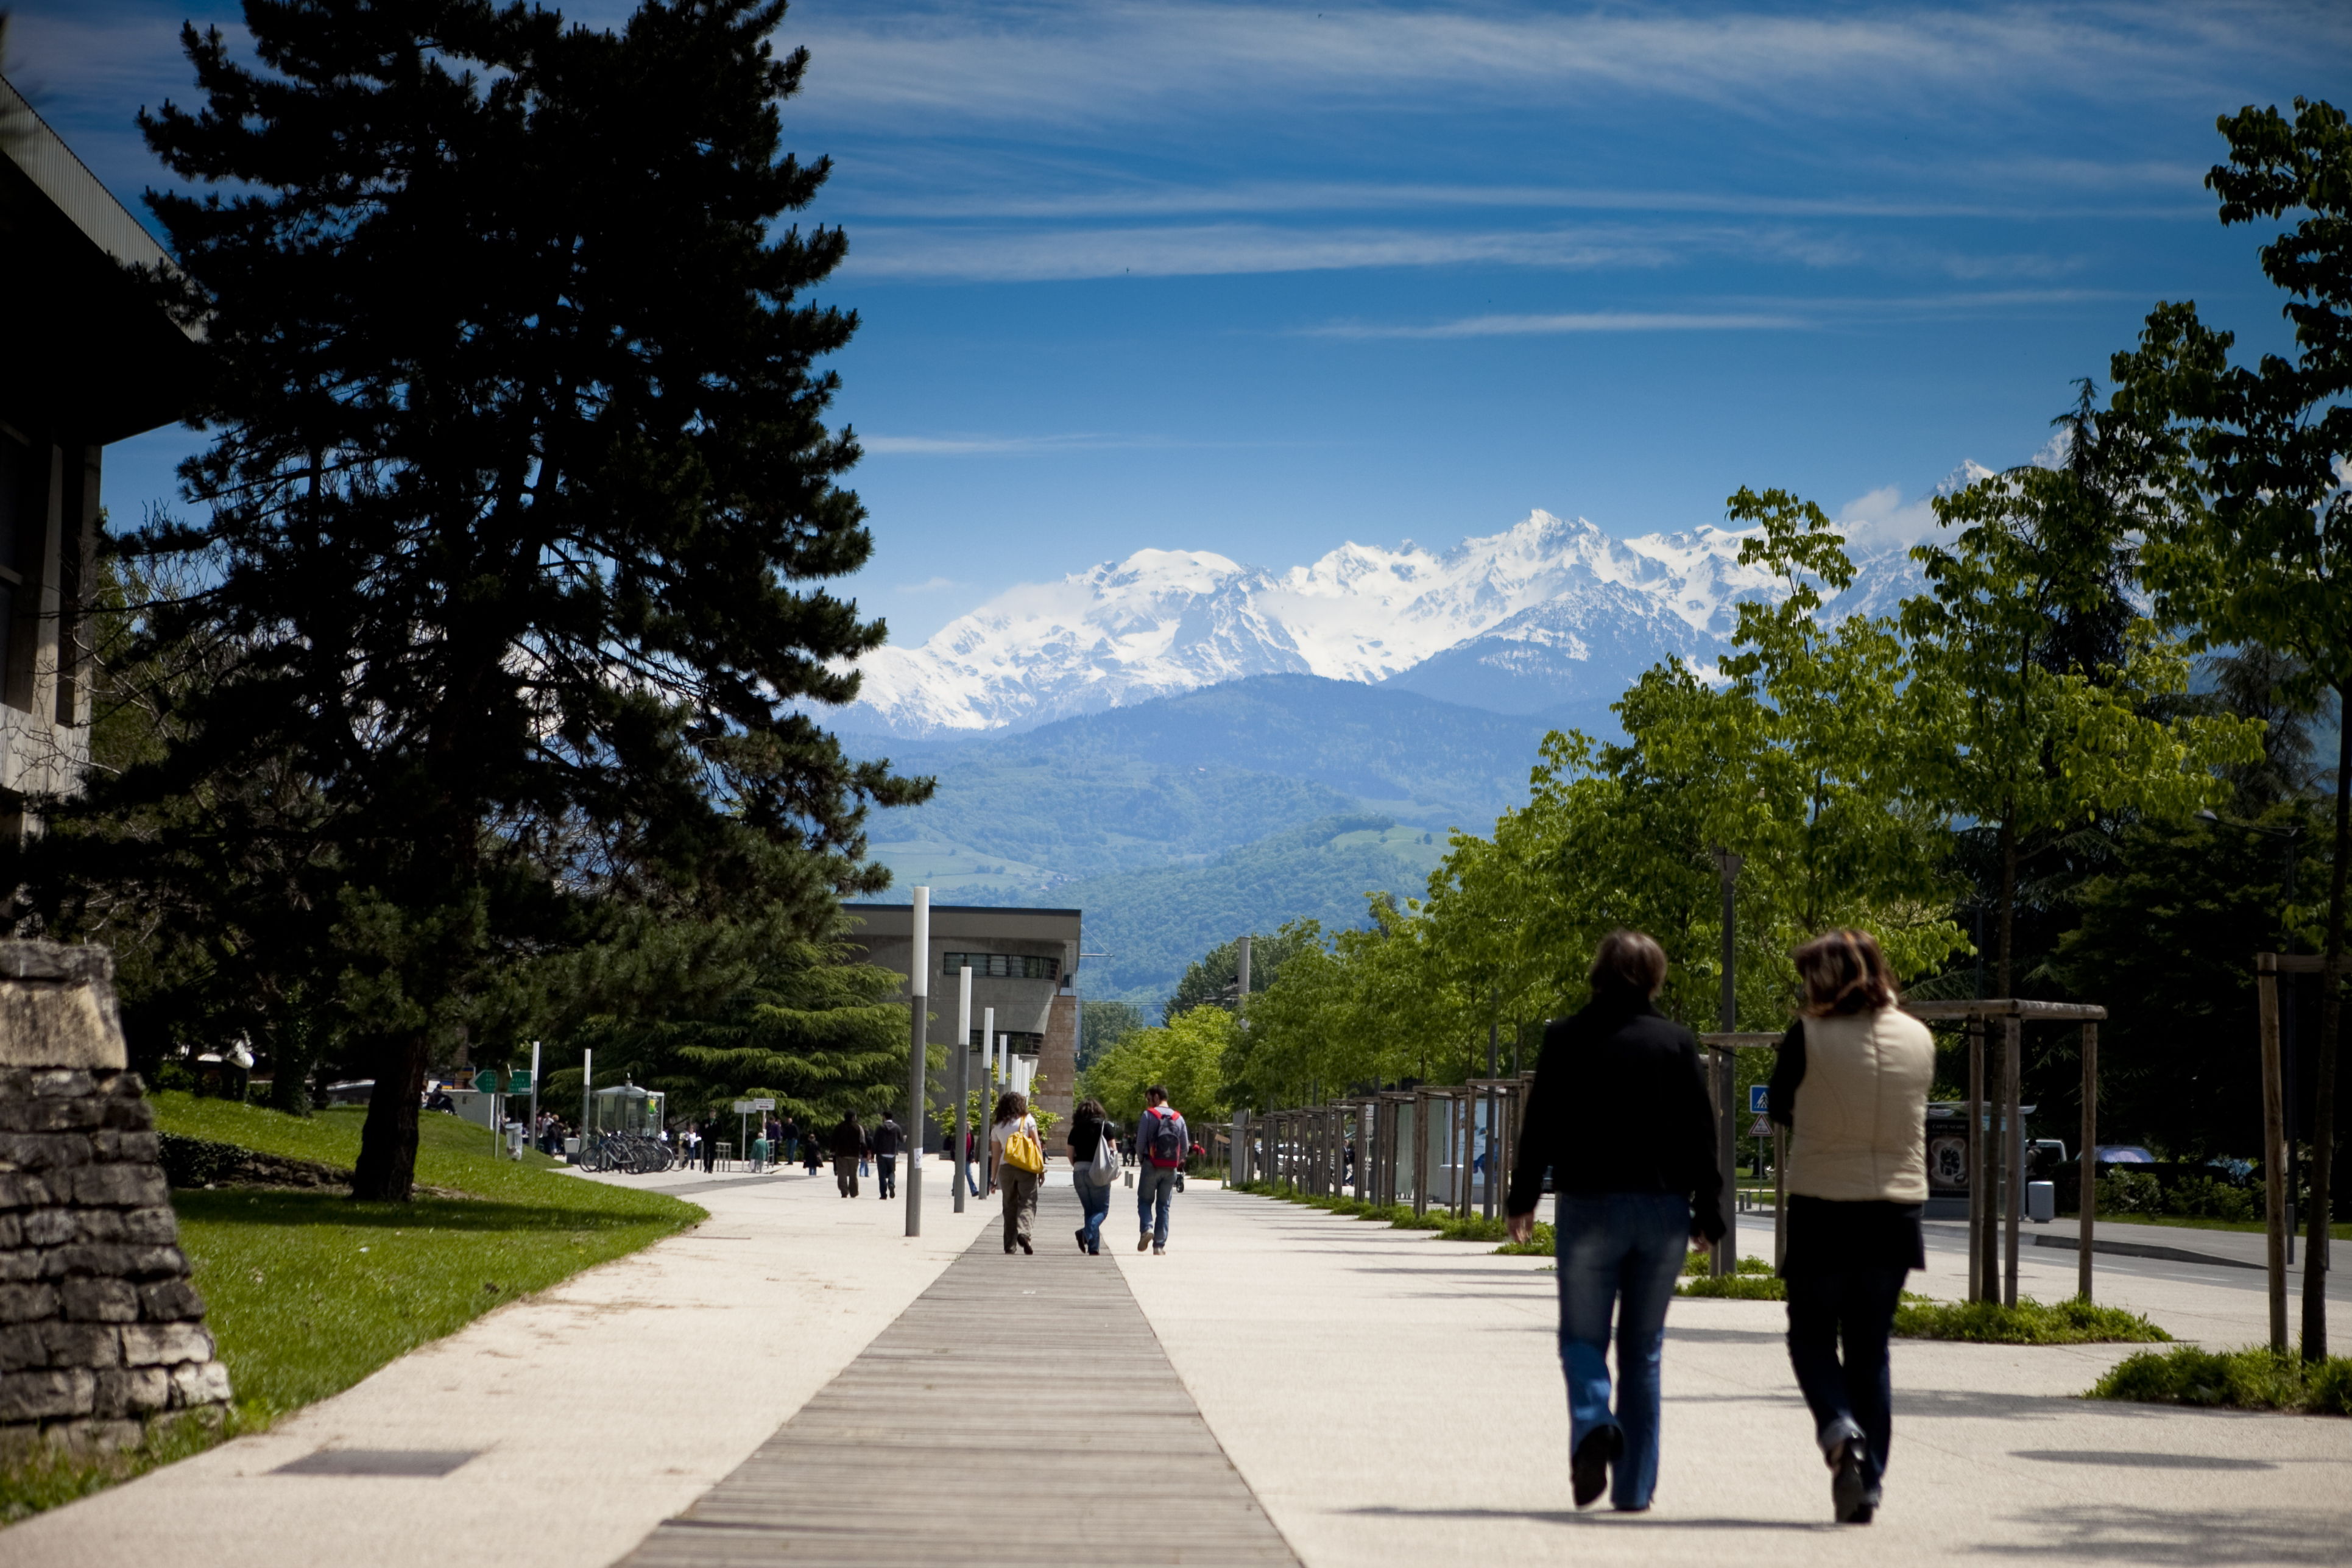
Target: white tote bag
[{"x": 1103, "y": 1169}]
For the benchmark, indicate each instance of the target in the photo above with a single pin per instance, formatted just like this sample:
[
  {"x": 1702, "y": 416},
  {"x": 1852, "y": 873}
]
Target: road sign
[
  {"x": 487, "y": 1080},
  {"x": 743, "y": 1107},
  {"x": 518, "y": 1081},
  {"x": 763, "y": 1105},
  {"x": 1761, "y": 1128},
  {"x": 1756, "y": 1106}
]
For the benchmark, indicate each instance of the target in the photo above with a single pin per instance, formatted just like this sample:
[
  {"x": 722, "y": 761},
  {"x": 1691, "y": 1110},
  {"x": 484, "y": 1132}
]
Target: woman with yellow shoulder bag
[{"x": 1020, "y": 1166}]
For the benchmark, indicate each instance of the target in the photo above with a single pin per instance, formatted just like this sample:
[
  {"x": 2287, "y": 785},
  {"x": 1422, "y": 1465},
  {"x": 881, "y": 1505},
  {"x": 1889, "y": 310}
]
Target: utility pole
[
  {"x": 1726, "y": 1252},
  {"x": 919, "y": 1054},
  {"x": 962, "y": 1079}
]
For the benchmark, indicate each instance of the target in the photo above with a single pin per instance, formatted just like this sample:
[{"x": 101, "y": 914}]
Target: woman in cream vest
[{"x": 1852, "y": 1088}]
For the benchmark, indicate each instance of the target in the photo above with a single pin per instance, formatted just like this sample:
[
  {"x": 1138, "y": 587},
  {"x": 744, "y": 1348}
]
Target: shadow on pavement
[
  {"x": 1596, "y": 1516},
  {"x": 2142, "y": 1461},
  {"x": 2082, "y": 1532},
  {"x": 235, "y": 1206}
]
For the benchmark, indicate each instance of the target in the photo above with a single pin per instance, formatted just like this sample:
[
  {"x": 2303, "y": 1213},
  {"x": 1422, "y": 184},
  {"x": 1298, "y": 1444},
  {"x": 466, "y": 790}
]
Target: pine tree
[{"x": 520, "y": 488}]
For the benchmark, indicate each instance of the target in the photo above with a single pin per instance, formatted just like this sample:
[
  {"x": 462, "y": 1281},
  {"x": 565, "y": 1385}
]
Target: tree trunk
[
  {"x": 2331, "y": 1019},
  {"x": 388, "y": 1162},
  {"x": 2008, "y": 906}
]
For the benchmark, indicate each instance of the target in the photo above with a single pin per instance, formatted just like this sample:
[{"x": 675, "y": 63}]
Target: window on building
[
  {"x": 1023, "y": 1043},
  {"x": 1003, "y": 965}
]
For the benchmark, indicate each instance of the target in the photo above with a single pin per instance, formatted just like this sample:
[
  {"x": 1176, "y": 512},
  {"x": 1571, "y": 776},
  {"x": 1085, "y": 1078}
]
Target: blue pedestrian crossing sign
[{"x": 1756, "y": 1099}]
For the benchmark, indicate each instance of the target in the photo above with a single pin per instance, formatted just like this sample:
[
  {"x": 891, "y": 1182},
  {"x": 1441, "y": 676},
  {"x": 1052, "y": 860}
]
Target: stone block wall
[{"x": 100, "y": 1331}]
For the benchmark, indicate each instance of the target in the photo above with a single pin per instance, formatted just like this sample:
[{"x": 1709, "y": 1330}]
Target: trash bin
[{"x": 2042, "y": 1202}]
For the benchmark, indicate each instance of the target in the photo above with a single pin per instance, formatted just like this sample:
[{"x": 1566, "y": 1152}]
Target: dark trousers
[
  {"x": 887, "y": 1167},
  {"x": 1854, "y": 1307}
]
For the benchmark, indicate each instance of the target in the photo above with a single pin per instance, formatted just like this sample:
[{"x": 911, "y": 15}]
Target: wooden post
[
  {"x": 1980, "y": 1163},
  {"x": 1725, "y": 1259},
  {"x": 1780, "y": 1194},
  {"x": 2274, "y": 1187},
  {"x": 1420, "y": 1152},
  {"x": 2086, "y": 1202},
  {"x": 2013, "y": 1148}
]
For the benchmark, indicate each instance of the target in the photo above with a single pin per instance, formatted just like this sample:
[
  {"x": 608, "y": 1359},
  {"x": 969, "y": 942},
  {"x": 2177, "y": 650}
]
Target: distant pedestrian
[
  {"x": 1851, "y": 1085},
  {"x": 812, "y": 1152},
  {"x": 1620, "y": 1115},
  {"x": 972, "y": 1159},
  {"x": 709, "y": 1135},
  {"x": 1161, "y": 1140},
  {"x": 788, "y": 1139},
  {"x": 1020, "y": 1165},
  {"x": 1090, "y": 1128},
  {"x": 848, "y": 1147},
  {"x": 888, "y": 1139}
]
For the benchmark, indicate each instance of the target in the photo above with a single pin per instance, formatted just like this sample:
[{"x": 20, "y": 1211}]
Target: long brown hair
[
  {"x": 1012, "y": 1105},
  {"x": 1844, "y": 972}
]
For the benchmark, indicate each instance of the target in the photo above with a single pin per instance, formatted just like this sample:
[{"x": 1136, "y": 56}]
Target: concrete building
[
  {"x": 1024, "y": 964},
  {"x": 91, "y": 359}
]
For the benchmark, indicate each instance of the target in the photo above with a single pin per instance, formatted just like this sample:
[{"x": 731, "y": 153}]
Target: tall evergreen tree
[{"x": 520, "y": 491}]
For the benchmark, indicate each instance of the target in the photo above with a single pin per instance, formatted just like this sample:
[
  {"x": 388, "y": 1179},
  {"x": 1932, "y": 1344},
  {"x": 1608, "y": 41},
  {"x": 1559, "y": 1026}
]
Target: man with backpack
[{"x": 1160, "y": 1140}]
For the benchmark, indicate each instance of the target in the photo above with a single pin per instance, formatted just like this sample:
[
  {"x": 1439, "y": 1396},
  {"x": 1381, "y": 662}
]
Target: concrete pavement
[
  {"x": 1387, "y": 1397},
  {"x": 594, "y": 1410},
  {"x": 1396, "y": 1399}
]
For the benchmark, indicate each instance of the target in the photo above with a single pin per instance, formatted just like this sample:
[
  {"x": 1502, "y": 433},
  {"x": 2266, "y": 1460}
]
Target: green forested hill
[
  {"x": 1154, "y": 922},
  {"x": 1184, "y": 778}
]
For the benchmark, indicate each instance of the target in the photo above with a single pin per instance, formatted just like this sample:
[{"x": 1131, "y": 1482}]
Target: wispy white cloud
[
  {"x": 1573, "y": 322},
  {"x": 928, "y": 585},
  {"x": 1087, "y": 63},
  {"x": 967, "y": 446}
]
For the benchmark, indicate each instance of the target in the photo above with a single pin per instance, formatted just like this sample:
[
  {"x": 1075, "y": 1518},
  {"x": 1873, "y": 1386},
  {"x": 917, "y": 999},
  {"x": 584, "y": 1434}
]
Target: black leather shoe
[
  {"x": 1589, "y": 1471},
  {"x": 1847, "y": 1488}
]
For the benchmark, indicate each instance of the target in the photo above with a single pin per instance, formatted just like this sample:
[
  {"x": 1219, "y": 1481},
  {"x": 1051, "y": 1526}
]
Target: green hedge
[{"x": 2255, "y": 1378}]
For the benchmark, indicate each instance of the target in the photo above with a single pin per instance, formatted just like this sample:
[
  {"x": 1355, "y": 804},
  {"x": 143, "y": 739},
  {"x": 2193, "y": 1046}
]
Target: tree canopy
[{"x": 513, "y": 521}]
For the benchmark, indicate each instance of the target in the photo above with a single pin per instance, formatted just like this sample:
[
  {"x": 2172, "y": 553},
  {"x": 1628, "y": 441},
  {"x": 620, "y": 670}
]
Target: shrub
[
  {"x": 2030, "y": 1322},
  {"x": 1765, "y": 1286},
  {"x": 193, "y": 1161},
  {"x": 2255, "y": 1378},
  {"x": 2204, "y": 1197},
  {"x": 1543, "y": 1243},
  {"x": 2129, "y": 1192}
]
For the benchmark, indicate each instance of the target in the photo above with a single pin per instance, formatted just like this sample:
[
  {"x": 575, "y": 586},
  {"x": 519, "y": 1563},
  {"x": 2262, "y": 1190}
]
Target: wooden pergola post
[
  {"x": 2086, "y": 1202},
  {"x": 2275, "y": 1193},
  {"x": 1980, "y": 1163},
  {"x": 2012, "y": 1147}
]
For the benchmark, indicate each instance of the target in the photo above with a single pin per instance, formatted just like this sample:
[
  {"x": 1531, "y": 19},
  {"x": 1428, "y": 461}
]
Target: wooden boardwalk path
[{"x": 1020, "y": 1409}]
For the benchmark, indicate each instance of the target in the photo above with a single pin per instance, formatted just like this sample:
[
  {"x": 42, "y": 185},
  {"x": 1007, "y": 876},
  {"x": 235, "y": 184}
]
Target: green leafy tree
[
  {"x": 518, "y": 499},
  {"x": 1102, "y": 1023},
  {"x": 2011, "y": 740},
  {"x": 1186, "y": 1056},
  {"x": 2259, "y": 547},
  {"x": 1212, "y": 977}
]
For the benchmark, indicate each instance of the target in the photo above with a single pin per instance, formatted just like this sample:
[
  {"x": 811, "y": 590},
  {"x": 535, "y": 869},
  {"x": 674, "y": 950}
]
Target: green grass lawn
[{"x": 309, "y": 1292}]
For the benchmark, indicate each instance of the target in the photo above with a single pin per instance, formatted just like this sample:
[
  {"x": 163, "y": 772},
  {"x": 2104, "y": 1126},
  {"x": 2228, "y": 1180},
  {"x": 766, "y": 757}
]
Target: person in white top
[
  {"x": 1018, "y": 1185},
  {"x": 1851, "y": 1086}
]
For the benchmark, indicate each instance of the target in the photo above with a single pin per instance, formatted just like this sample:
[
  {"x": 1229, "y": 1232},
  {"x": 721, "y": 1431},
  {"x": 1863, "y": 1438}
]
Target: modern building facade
[
  {"x": 91, "y": 359},
  {"x": 1023, "y": 964}
]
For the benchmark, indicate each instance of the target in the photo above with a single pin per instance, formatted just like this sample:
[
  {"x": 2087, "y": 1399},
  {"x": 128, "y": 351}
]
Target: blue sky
[{"x": 1261, "y": 279}]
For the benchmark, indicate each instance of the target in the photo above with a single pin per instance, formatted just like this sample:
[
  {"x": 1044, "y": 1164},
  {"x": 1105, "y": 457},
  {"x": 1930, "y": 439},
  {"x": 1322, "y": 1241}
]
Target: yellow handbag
[{"x": 1021, "y": 1149}]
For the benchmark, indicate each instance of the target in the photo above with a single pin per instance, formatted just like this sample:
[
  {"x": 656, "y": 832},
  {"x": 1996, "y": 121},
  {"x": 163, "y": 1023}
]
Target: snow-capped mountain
[{"x": 1545, "y": 612}]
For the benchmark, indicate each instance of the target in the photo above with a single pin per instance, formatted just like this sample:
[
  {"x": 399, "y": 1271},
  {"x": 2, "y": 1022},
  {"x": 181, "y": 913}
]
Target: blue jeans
[
  {"x": 1151, "y": 1181},
  {"x": 1093, "y": 1197},
  {"x": 1855, "y": 1307},
  {"x": 1620, "y": 1250}
]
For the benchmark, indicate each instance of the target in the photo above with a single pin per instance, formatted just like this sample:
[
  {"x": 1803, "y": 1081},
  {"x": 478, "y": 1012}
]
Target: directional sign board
[
  {"x": 487, "y": 1080},
  {"x": 1756, "y": 1106},
  {"x": 518, "y": 1081},
  {"x": 745, "y": 1106},
  {"x": 763, "y": 1105}
]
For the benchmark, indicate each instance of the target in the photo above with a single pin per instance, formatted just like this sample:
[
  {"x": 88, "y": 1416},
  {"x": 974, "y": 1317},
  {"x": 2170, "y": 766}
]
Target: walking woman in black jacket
[{"x": 1620, "y": 1115}]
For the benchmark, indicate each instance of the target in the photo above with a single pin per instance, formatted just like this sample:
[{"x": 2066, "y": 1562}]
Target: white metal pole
[
  {"x": 963, "y": 1081},
  {"x": 918, "y": 1059},
  {"x": 534, "y": 1090},
  {"x": 988, "y": 1043},
  {"x": 587, "y": 1083}
]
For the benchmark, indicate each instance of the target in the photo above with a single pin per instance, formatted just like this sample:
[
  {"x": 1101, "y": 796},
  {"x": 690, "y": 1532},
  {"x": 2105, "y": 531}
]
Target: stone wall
[{"x": 100, "y": 1331}]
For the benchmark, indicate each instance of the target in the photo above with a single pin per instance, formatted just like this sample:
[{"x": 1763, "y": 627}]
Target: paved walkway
[
  {"x": 794, "y": 1381},
  {"x": 1394, "y": 1399},
  {"x": 1018, "y": 1398}
]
